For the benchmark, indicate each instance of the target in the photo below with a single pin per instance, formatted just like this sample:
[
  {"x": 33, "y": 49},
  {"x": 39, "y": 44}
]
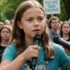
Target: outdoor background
[{"x": 8, "y": 7}]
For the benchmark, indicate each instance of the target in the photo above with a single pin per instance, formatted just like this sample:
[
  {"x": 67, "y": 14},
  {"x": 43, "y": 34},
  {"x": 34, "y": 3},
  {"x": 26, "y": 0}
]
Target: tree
[
  {"x": 8, "y": 7},
  {"x": 67, "y": 2},
  {"x": 63, "y": 15}
]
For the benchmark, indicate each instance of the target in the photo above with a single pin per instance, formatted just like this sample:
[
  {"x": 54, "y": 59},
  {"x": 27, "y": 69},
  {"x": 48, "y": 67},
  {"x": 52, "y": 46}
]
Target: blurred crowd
[{"x": 55, "y": 25}]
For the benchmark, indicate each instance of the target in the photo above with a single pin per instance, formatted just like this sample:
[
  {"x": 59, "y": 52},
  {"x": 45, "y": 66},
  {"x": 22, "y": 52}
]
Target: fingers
[
  {"x": 31, "y": 51},
  {"x": 36, "y": 47},
  {"x": 35, "y": 50}
]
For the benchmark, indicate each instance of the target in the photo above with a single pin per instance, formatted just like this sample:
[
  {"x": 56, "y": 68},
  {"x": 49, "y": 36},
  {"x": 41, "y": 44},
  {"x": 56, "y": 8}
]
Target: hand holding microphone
[
  {"x": 37, "y": 41},
  {"x": 32, "y": 52}
]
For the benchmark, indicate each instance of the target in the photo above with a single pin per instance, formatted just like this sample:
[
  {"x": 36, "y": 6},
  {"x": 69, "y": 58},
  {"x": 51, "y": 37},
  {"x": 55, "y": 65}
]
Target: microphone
[
  {"x": 37, "y": 41},
  {"x": 60, "y": 41}
]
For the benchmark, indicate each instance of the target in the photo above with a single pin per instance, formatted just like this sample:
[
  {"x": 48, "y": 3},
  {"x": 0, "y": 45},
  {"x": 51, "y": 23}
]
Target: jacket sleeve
[
  {"x": 64, "y": 59},
  {"x": 9, "y": 53}
]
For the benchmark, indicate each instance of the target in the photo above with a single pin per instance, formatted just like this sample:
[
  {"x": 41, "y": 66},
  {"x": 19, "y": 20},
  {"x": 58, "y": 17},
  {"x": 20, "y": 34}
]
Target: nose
[
  {"x": 5, "y": 33},
  {"x": 36, "y": 23}
]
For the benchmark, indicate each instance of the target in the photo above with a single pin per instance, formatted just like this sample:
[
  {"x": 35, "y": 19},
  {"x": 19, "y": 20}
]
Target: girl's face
[
  {"x": 33, "y": 22},
  {"x": 65, "y": 28},
  {"x": 5, "y": 34}
]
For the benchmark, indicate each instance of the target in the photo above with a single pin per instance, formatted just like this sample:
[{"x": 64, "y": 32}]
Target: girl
[
  {"x": 65, "y": 34},
  {"x": 30, "y": 21},
  {"x": 5, "y": 35}
]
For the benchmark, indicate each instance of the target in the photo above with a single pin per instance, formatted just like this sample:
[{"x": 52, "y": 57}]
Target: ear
[{"x": 19, "y": 25}]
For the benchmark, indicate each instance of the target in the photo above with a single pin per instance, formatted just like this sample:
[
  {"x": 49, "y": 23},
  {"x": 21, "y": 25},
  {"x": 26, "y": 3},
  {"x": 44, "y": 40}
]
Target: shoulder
[
  {"x": 11, "y": 48},
  {"x": 59, "y": 50},
  {"x": 57, "y": 46},
  {"x": 61, "y": 54},
  {"x": 10, "y": 52}
]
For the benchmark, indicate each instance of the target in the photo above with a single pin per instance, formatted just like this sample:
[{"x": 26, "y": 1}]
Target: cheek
[
  {"x": 63, "y": 29},
  {"x": 9, "y": 34},
  {"x": 2, "y": 34},
  {"x": 26, "y": 29},
  {"x": 52, "y": 24},
  {"x": 24, "y": 25}
]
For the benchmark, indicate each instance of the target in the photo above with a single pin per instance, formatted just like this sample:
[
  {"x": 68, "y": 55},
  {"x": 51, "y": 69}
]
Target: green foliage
[
  {"x": 63, "y": 14},
  {"x": 8, "y": 7}
]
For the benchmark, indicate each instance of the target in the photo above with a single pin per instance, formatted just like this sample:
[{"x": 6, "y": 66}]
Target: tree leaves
[{"x": 8, "y": 7}]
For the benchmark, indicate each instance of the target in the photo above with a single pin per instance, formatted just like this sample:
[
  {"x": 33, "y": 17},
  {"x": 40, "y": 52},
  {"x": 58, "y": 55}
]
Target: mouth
[{"x": 36, "y": 30}]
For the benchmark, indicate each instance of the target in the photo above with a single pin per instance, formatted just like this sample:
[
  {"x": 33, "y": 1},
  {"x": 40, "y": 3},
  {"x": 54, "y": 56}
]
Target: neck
[
  {"x": 55, "y": 30},
  {"x": 4, "y": 42},
  {"x": 65, "y": 36},
  {"x": 28, "y": 41}
]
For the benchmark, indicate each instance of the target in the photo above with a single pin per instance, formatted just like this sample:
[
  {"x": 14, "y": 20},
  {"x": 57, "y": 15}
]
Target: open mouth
[{"x": 36, "y": 30}]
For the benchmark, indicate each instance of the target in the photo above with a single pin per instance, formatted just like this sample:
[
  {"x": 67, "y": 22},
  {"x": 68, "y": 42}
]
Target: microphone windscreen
[{"x": 61, "y": 41}]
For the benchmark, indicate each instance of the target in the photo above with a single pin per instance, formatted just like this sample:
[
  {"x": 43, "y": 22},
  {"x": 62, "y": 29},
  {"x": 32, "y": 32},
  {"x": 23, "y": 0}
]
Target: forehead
[
  {"x": 54, "y": 20},
  {"x": 33, "y": 11},
  {"x": 66, "y": 24},
  {"x": 5, "y": 29}
]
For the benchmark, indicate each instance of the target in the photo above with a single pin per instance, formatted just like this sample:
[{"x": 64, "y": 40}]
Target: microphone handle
[
  {"x": 37, "y": 41},
  {"x": 34, "y": 60}
]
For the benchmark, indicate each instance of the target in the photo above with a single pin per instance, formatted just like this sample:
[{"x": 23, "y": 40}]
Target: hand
[{"x": 31, "y": 51}]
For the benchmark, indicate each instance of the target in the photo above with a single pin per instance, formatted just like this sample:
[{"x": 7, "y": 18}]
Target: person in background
[
  {"x": 59, "y": 26},
  {"x": 65, "y": 33},
  {"x": 1, "y": 24},
  {"x": 12, "y": 23},
  {"x": 7, "y": 22},
  {"x": 69, "y": 23},
  {"x": 53, "y": 24},
  {"x": 29, "y": 21},
  {"x": 5, "y": 35}
]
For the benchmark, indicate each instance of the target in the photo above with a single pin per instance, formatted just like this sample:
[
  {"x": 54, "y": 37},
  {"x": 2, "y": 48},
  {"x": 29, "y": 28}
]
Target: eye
[
  {"x": 40, "y": 18},
  {"x": 30, "y": 19}
]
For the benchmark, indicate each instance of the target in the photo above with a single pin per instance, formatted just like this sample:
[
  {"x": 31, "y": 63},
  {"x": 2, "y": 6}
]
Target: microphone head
[
  {"x": 37, "y": 37},
  {"x": 61, "y": 41},
  {"x": 37, "y": 40}
]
